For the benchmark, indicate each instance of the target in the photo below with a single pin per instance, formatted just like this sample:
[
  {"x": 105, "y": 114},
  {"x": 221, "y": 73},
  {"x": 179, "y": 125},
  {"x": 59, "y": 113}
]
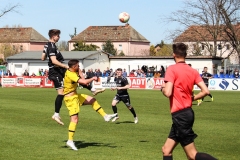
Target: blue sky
[{"x": 42, "y": 15}]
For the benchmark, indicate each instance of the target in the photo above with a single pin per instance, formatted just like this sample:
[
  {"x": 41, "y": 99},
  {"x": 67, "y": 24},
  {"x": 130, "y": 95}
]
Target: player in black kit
[
  {"x": 57, "y": 70},
  {"x": 122, "y": 95},
  {"x": 206, "y": 76}
]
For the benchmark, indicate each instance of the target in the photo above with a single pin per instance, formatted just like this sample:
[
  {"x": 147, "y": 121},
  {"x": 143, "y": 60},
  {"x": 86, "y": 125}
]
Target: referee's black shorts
[
  {"x": 181, "y": 130},
  {"x": 56, "y": 75}
]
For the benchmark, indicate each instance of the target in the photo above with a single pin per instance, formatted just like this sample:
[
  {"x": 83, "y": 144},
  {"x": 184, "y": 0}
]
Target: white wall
[{"x": 131, "y": 64}]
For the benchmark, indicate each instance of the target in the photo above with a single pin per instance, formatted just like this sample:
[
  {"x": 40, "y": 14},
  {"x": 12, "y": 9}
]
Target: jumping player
[
  {"x": 122, "y": 95},
  {"x": 57, "y": 69},
  {"x": 179, "y": 81}
]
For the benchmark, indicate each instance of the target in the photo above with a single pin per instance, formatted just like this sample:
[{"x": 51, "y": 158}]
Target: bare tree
[
  {"x": 229, "y": 11},
  {"x": 9, "y": 8},
  {"x": 205, "y": 17}
]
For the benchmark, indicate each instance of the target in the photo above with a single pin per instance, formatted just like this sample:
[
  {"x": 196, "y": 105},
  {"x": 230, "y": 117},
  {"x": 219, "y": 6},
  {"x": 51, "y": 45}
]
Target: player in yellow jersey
[
  {"x": 199, "y": 100},
  {"x": 73, "y": 100}
]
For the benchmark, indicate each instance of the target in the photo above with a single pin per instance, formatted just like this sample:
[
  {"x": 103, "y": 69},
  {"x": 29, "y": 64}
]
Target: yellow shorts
[{"x": 74, "y": 102}]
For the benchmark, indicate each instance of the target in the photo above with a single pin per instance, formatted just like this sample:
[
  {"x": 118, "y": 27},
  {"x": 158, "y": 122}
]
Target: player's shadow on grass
[
  {"x": 124, "y": 122},
  {"x": 83, "y": 144}
]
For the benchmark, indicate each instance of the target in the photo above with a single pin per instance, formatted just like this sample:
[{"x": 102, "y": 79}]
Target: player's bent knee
[{"x": 166, "y": 152}]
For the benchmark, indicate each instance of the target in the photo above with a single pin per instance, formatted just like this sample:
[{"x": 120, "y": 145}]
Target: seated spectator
[
  {"x": 236, "y": 73},
  {"x": 45, "y": 73},
  {"x": 26, "y": 73},
  {"x": 149, "y": 73},
  {"x": 157, "y": 74},
  {"x": 8, "y": 73},
  {"x": 98, "y": 73},
  {"x": 33, "y": 74},
  {"x": 104, "y": 74},
  {"x": 131, "y": 74},
  {"x": 221, "y": 71}
]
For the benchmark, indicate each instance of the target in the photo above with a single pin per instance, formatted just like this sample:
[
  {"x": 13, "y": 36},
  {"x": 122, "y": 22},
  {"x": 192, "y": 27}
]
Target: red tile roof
[
  {"x": 113, "y": 33},
  {"x": 17, "y": 35},
  {"x": 201, "y": 33}
]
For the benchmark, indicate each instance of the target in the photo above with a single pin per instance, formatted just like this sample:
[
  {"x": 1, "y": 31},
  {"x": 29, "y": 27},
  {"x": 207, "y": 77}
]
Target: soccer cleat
[
  {"x": 212, "y": 98},
  {"x": 98, "y": 91},
  {"x": 57, "y": 119},
  {"x": 115, "y": 118},
  {"x": 108, "y": 117},
  {"x": 199, "y": 101},
  {"x": 71, "y": 145},
  {"x": 135, "y": 120}
]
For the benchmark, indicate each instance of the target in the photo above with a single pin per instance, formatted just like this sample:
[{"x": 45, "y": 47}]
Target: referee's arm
[{"x": 167, "y": 88}]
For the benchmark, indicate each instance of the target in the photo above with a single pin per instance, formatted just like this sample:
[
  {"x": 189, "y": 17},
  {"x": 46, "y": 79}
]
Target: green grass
[{"x": 28, "y": 133}]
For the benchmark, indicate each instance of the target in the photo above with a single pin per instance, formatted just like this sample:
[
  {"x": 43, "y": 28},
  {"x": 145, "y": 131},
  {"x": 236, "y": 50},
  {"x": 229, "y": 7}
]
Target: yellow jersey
[{"x": 70, "y": 82}]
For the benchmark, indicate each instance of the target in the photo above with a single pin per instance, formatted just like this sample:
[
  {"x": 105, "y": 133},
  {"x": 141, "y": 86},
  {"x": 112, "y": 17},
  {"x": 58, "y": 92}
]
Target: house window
[
  {"x": 228, "y": 46},
  {"x": 202, "y": 46},
  {"x": 219, "y": 46},
  {"x": 194, "y": 46},
  {"x": 120, "y": 47},
  {"x": 21, "y": 48},
  {"x": 211, "y": 47}
]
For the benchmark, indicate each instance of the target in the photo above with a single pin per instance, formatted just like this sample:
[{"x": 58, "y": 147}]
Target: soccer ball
[{"x": 124, "y": 17}]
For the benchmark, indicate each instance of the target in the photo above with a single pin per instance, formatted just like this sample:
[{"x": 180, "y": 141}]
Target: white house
[{"x": 31, "y": 61}]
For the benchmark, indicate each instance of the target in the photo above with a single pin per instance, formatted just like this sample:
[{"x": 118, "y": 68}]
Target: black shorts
[
  {"x": 124, "y": 98},
  {"x": 181, "y": 130},
  {"x": 56, "y": 75}
]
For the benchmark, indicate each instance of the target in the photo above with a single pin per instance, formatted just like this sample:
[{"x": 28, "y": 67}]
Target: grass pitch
[{"x": 28, "y": 133}]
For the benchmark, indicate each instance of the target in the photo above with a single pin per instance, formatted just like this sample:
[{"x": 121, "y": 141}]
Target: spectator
[
  {"x": 110, "y": 75},
  {"x": 228, "y": 71},
  {"x": 104, "y": 74},
  {"x": 149, "y": 73},
  {"x": 33, "y": 74},
  {"x": 108, "y": 71},
  {"x": 84, "y": 73},
  {"x": 46, "y": 73},
  {"x": 14, "y": 74},
  {"x": 131, "y": 74},
  {"x": 8, "y": 73},
  {"x": 26, "y": 73},
  {"x": 236, "y": 73},
  {"x": 98, "y": 73},
  {"x": 162, "y": 72},
  {"x": 90, "y": 74},
  {"x": 221, "y": 71},
  {"x": 157, "y": 74},
  {"x": 124, "y": 73}
]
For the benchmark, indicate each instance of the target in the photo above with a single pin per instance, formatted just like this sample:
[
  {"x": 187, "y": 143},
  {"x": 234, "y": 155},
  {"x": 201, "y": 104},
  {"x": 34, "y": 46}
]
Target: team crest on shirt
[{"x": 119, "y": 81}]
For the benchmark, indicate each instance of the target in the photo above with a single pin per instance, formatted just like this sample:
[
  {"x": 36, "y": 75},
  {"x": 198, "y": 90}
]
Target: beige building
[
  {"x": 20, "y": 39},
  {"x": 124, "y": 38}
]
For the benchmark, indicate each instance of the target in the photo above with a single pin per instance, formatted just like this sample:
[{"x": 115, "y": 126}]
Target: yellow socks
[
  {"x": 71, "y": 130},
  {"x": 98, "y": 108}
]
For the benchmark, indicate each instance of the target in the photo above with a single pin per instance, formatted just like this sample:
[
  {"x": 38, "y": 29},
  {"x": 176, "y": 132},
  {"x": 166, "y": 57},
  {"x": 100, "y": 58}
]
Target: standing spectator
[
  {"x": 26, "y": 73},
  {"x": 206, "y": 76},
  {"x": 84, "y": 73},
  {"x": 236, "y": 73},
  {"x": 162, "y": 72},
  {"x": 228, "y": 71},
  {"x": 110, "y": 75},
  {"x": 124, "y": 73},
  {"x": 179, "y": 81},
  {"x": 149, "y": 73},
  {"x": 87, "y": 73},
  {"x": 8, "y": 73}
]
